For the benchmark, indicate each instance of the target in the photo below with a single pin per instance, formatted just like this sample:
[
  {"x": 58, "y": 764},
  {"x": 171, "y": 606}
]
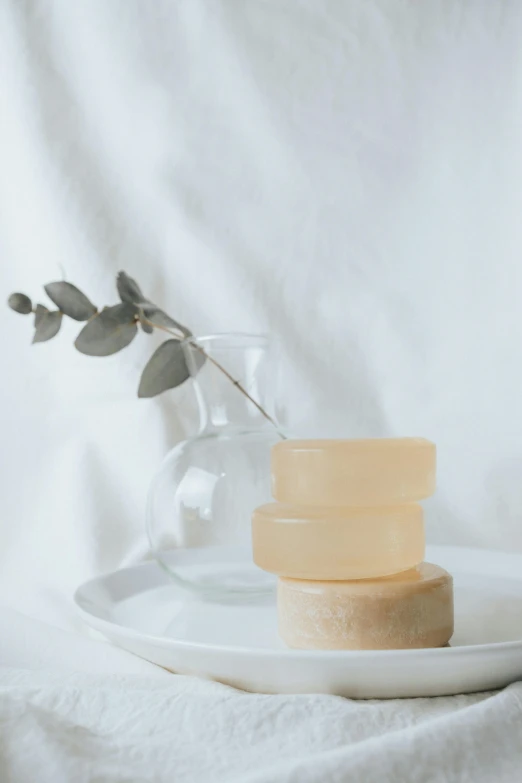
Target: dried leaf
[
  {"x": 20, "y": 303},
  {"x": 159, "y": 318},
  {"x": 70, "y": 300},
  {"x": 39, "y": 313},
  {"x": 166, "y": 369},
  {"x": 109, "y": 332},
  {"x": 128, "y": 289},
  {"x": 47, "y": 325}
]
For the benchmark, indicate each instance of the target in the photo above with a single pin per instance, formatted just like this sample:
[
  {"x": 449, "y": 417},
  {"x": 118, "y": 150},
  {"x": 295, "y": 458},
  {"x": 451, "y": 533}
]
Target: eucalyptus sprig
[{"x": 114, "y": 327}]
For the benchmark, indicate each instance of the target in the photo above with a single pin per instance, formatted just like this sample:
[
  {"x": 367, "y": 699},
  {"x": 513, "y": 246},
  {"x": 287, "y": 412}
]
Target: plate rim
[{"x": 341, "y": 655}]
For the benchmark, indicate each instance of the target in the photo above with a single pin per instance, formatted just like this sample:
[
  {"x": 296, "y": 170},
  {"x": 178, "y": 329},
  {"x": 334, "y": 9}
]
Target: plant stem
[{"x": 222, "y": 369}]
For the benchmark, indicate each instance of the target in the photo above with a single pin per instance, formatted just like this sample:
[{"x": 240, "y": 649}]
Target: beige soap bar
[
  {"x": 372, "y": 472},
  {"x": 410, "y": 610},
  {"x": 317, "y": 542}
]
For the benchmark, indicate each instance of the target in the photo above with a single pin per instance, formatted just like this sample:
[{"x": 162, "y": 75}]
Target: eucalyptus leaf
[
  {"x": 108, "y": 332},
  {"x": 39, "y": 313},
  {"x": 70, "y": 300},
  {"x": 20, "y": 303},
  {"x": 147, "y": 328},
  {"x": 47, "y": 326},
  {"x": 122, "y": 313},
  {"x": 128, "y": 289},
  {"x": 159, "y": 318},
  {"x": 166, "y": 369}
]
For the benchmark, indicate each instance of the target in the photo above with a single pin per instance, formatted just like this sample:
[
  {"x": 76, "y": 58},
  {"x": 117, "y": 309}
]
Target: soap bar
[
  {"x": 353, "y": 472},
  {"x": 409, "y": 610},
  {"x": 318, "y": 542}
]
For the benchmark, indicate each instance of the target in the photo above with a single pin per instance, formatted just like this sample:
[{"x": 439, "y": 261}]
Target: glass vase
[{"x": 201, "y": 500}]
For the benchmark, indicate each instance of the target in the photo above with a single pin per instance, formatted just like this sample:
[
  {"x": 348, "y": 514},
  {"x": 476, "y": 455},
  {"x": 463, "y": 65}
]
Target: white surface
[
  {"x": 346, "y": 175},
  {"x": 141, "y": 610},
  {"x": 85, "y": 727}
]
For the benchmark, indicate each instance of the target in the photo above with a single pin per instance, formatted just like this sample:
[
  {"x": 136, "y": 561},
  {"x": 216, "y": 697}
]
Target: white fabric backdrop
[{"x": 344, "y": 175}]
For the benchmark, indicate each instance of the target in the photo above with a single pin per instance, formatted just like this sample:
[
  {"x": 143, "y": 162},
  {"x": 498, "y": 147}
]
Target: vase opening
[{"x": 231, "y": 381}]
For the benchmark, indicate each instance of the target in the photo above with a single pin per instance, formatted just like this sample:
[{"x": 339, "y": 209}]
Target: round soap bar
[
  {"x": 409, "y": 610},
  {"x": 373, "y": 472},
  {"x": 318, "y": 542}
]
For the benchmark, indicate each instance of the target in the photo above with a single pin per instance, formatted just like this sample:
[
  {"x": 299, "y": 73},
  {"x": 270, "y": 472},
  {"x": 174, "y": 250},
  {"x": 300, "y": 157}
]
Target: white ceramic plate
[{"x": 141, "y": 610}]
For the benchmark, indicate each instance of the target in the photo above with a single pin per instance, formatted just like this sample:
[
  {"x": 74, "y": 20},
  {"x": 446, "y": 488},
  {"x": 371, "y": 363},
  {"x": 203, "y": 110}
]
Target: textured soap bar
[
  {"x": 410, "y": 610},
  {"x": 316, "y": 542},
  {"x": 353, "y": 472}
]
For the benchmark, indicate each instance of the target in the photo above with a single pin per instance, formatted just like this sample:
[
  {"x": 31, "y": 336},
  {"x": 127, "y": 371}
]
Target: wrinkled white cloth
[
  {"x": 86, "y": 727},
  {"x": 343, "y": 175}
]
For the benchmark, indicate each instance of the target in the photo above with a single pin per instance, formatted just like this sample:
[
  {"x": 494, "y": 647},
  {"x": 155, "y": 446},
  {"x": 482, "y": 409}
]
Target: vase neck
[{"x": 230, "y": 381}]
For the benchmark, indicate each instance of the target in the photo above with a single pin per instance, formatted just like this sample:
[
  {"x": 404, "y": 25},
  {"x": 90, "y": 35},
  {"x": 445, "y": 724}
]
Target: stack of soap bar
[{"x": 346, "y": 538}]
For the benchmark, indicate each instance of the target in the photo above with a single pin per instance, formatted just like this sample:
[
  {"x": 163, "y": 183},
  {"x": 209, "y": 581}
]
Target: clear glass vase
[{"x": 201, "y": 500}]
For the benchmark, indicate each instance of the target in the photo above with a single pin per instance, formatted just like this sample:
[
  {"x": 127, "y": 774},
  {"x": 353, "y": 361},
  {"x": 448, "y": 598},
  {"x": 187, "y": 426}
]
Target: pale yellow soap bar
[
  {"x": 318, "y": 542},
  {"x": 374, "y": 472},
  {"x": 410, "y": 610}
]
